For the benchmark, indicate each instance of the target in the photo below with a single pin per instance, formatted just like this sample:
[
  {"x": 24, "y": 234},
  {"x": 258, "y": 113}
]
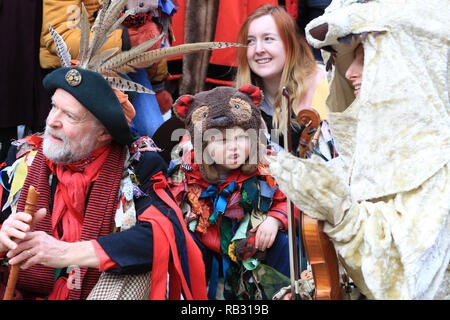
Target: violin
[{"x": 319, "y": 249}]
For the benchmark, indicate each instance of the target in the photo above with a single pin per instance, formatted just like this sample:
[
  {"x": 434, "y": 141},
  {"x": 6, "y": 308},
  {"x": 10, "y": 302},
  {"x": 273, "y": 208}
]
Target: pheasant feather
[
  {"x": 101, "y": 14},
  {"x": 101, "y": 57},
  {"x": 108, "y": 63},
  {"x": 146, "y": 59},
  {"x": 117, "y": 24},
  {"x": 127, "y": 85},
  {"x": 126, "y": 56},
  {"x": 101, "y": 32},
  {"x": 85, "y": 34},
  {"x": 61, "y": 47},
  {"x": 110, "y": 18}
]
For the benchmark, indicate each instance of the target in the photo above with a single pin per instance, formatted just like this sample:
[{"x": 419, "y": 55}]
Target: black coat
[{"x": 20, "y": 76}]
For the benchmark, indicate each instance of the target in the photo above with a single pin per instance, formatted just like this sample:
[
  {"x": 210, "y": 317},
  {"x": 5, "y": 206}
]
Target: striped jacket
[{"x": 132, "y": 249}]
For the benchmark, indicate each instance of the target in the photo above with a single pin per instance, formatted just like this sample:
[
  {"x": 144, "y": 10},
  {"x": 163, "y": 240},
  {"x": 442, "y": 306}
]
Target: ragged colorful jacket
[{"x": 238, "y": 198}]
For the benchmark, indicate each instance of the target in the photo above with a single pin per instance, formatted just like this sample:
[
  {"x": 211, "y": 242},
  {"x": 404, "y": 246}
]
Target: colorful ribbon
[{"x": 219, "y": 201}]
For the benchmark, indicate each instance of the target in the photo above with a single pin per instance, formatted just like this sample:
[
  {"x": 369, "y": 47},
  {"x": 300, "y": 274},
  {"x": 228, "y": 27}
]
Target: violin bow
[{"x": 293, "y": 259}]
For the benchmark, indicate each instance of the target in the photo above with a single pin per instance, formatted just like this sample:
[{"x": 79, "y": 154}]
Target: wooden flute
[{"x": 30, "y": 207}]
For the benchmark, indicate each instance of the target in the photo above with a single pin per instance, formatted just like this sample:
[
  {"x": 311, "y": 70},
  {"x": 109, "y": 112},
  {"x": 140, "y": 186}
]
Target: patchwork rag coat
[{"x": 220, "y": 215}]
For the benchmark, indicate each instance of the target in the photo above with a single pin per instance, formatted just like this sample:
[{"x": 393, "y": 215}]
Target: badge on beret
[{"x": 73, "y": 77}]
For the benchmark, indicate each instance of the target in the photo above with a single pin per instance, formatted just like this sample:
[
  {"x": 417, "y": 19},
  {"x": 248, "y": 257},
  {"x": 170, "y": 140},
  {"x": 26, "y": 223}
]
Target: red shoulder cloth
[{"x": 163, "y": 234}]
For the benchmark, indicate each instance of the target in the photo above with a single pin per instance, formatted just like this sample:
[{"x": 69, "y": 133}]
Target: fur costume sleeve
[{"x": 394, "y": 247}]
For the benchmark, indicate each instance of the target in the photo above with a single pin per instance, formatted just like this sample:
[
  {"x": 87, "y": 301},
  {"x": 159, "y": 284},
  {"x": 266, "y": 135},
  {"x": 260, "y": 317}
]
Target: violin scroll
[{"x": 309, "y": 119}]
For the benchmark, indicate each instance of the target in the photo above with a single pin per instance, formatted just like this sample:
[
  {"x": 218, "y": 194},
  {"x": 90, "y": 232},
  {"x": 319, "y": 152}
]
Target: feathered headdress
[
  {"x": 92, "y": 78},
  {"x": 108, "y": 65}
]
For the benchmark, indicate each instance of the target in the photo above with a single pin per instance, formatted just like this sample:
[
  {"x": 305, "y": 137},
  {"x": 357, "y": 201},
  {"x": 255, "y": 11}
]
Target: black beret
[{"x": 94, "y": 93}]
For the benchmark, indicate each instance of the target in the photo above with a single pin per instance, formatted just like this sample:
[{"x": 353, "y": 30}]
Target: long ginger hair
[{"x": 299, "y": 62}]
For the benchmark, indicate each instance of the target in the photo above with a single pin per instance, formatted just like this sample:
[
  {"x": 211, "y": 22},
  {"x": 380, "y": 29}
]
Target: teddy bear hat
[
  {"x": 93, "y": 76},
  {"x": 218, "y": 109}
]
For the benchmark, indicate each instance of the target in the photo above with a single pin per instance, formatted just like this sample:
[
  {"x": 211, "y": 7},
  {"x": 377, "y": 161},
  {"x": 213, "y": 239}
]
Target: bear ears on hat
[{"x": 183, "y": 104}]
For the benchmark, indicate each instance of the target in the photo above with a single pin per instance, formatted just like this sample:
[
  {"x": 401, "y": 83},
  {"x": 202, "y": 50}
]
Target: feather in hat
[{"x": 108, "y": 65}]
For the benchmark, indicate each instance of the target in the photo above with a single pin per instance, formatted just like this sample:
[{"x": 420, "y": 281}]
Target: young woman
[
  {"x": 355, "y": 70},
  {"x": 277, "y": 56}
]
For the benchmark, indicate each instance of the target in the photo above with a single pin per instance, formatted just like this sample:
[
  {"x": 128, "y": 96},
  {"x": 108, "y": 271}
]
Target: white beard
[{"x": 71, "y": 151}]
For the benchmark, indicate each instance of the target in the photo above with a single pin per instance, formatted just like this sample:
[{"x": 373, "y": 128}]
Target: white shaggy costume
[{"x": 386, "y": 198}]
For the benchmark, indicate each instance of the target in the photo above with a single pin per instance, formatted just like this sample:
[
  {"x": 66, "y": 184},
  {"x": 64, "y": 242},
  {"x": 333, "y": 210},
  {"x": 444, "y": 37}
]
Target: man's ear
[{"x": 104, "y": 136}]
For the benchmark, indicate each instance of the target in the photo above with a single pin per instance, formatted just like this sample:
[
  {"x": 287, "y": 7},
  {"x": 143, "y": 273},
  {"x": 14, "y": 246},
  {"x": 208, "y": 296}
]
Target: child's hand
[{"x": 266, "y": 233}]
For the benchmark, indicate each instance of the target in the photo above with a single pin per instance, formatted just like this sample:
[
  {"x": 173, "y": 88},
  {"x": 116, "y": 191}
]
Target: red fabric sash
[
  {"x": 163, "y": 234},
  {"x": 71, "y": 192}
]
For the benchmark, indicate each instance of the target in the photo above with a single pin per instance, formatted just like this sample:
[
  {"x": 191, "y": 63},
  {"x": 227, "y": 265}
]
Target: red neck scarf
[{"x": 74, "y": 182}]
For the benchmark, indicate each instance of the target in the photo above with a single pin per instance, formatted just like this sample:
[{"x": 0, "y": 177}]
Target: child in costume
[{"x": 236, "y": 213}]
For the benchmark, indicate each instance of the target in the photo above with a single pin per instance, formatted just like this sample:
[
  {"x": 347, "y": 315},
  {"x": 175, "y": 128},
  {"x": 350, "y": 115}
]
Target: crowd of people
[{"x": 213, "y": 222}]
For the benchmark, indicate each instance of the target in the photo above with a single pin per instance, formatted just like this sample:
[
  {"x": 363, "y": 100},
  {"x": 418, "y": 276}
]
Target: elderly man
[{"x": 93, "y": 180}]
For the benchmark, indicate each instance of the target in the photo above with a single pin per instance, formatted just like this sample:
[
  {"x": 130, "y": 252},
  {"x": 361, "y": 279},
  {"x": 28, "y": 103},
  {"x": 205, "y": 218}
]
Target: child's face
[{"x": 229, "y": 148}]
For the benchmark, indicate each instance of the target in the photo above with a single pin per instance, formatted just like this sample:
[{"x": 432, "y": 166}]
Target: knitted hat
[{"x": 221, "y": 108}]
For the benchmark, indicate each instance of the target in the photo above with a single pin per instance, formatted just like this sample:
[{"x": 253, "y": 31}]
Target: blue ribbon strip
[
  {"x": 1, "y": 180},
  {"x": 214, "y": 279},
  {"x": 219, "y": 201}
]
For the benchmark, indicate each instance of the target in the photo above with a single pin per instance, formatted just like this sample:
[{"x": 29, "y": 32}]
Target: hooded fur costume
[{"x": 386, "y": 198}]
